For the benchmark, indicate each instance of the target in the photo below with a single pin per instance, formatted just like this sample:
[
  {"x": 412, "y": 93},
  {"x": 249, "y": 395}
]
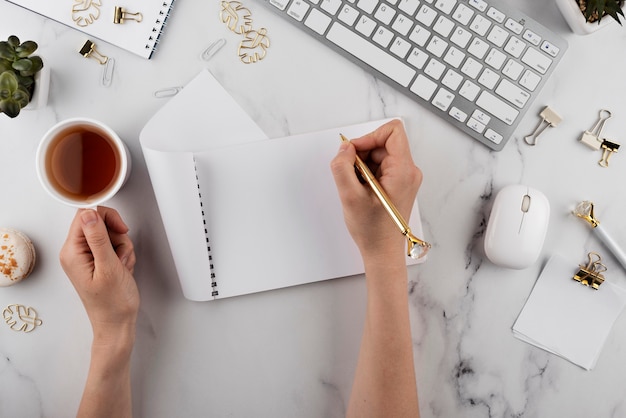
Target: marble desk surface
[{"x": 292, "y": 352}]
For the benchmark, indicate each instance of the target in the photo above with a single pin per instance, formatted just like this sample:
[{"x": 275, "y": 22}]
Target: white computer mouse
[{"x": 517, "y": 226}]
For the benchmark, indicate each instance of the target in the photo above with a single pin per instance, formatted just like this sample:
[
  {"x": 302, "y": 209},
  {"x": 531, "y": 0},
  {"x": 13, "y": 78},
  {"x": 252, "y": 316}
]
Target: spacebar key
[{"x": 370, "y": 54}]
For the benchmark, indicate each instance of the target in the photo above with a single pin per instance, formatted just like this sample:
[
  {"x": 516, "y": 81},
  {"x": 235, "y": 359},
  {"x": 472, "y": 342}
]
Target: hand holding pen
[{"x": 374, "y": 214}]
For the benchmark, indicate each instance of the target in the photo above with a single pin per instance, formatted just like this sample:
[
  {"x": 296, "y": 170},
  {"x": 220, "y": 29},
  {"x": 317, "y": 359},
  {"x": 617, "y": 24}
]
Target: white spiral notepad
[
  {"x": 243, "y": 213},
  {"x": 95, "y": 18}
]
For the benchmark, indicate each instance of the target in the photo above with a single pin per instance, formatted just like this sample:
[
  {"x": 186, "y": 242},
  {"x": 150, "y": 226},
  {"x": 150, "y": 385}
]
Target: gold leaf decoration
[{"x": 21, "y": 318}]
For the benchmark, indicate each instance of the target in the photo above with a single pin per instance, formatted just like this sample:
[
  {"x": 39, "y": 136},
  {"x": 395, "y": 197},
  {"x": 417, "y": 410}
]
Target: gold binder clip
[
  {"x": 120, "y": 15},
  {"x": 591, "y": 274},
  {"x": 592, "y": 137},
  {"x": 89, "y": 51},
  {"x": 608, "y": 149}
]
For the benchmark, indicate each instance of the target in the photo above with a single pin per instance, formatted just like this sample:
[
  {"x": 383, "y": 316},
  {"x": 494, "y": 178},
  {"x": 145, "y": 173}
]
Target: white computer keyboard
[{"x": 477, "y": 64}]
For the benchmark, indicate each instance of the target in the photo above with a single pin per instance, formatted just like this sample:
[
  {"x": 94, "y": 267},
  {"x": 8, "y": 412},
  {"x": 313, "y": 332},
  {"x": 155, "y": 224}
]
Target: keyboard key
[
  {"x": 452, "y": 80},
  {"x": 513, "y": 69},
  {"x": 512, "y": 93},
  {"x": 458, "y": 114},
  {"x": 461, "y": 37},
  {"x": 513, "y": 26},
  {"x": 402, "y": 24},
  {"x": 400, "y": 47},
  {"x": 536, "y": 60},
  {"x": 298, "y": 9},
  {"x": 550, "y": 49},
  {"x": 471, "y": 68},
  {"x": 445, "y": 6},
  {"x": 434, "y": 69},
  {"x": 515, "y": 46},
  {"x": 417, "y": 58},
  {"x": 478, "y": 48},
  {"x": 478, "y": 4},
  {"x": 279, "y": 4},
  {"x": 426, "y": 15},
  {"x": 331, "y": 6},
  {"x": 385, "y": 13},
  {"x": 367, "y": 6},
  {"x": 463, "y": 14},
  {"x": 409, "y": 6},
  {"x": 365, "y": 25},
  {"x": 497, "y": 36},
  {"x": 348, "y": 15},
  {"x": 443, "y": 26},
  {"x": 383, "y": 36},
  {"x": 493, "y": 136},
  {"x": 496, "y": 14},
  {"x": 495, "y": 59},
  {"x": 481, "y": 117},
  {"x": 489, "y": 78},
  {"x": 497, "y": 107},
  {"x": 531, "y": 37},
  {"x": 476, "y": 125},
  {"x": 370, "y": 54},
  {"x": 469, "y": 90},
  {"x": 480, "y": 25},
  {"x": 419, "y": 35},
  {"x": 437, "y": 46},
  {"x": 317, "y": 21},
  {"x": 443, "y": 99},
  {"x": 424, "y": 87},
  {"x": 530, "y": 80},
  {"x": 454, "y": 57}
]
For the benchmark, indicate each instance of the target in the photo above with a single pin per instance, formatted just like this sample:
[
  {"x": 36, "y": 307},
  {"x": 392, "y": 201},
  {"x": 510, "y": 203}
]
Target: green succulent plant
[
  {"x": 594, "y": 10},
  {"x": 17, "y": 74}
]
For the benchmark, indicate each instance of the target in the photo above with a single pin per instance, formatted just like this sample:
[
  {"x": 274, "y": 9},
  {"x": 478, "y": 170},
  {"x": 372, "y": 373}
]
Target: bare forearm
[
  {"x": 384, "y": 382},
  {"x": 107, "y": 391}
]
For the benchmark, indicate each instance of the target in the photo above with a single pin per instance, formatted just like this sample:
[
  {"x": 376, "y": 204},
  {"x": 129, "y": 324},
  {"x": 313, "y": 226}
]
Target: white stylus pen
[{"x": 584, "y": 210}]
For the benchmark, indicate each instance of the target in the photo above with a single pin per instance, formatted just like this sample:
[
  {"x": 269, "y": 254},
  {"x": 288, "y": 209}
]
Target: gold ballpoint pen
[{"x": 417, "y": 248}]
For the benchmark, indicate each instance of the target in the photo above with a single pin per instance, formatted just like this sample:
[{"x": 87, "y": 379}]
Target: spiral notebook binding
[
  {"x": 215, "y": 291},
  {"x": 160, "y": 24}
]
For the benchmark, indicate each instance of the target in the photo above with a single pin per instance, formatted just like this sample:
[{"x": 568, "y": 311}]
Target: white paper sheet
[{"x": 567, "y": 318}]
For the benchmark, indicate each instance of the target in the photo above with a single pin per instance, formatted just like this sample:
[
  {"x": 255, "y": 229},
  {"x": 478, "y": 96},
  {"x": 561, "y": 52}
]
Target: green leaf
[
  {"x": 4, "y": 94},
  {"x": 10, "y": 107},
  {"x": 22, "y": 97},
  {"x": 6, "y": 51},
  {"x": 8, "y": 81},
  {"x": 14, "y": 41},
  {"x": 5, "y": 65},
  {"x": 26, "y": 49},
  {"x": 25, "y": 81},
  {"x": 23, "y": 64}
]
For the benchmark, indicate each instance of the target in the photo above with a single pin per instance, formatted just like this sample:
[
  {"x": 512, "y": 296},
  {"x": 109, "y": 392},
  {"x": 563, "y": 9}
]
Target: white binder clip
[
  {"x": 548, "y": 118},
  {"x": 592, "y": 138}
]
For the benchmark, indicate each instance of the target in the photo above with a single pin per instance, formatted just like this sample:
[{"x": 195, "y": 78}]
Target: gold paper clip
[
  {"x": 548, "y": 118},
  {"x": 21, "y": 318},
  {"x": 590, "y": 275},
  {"x": 89, "y": 51},
  {"x": 608, "y": 148},
  {"x": 120, "y": 15}
]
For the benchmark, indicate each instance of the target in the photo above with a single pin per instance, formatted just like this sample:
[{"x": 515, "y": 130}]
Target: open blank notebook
[
  {"x": 95, "y": 18},
  {"x": 242, "y": 213}
]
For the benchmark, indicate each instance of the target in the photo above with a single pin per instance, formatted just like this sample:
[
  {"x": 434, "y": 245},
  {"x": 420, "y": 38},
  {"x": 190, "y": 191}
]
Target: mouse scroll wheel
[{"x": 525, "y": 203}]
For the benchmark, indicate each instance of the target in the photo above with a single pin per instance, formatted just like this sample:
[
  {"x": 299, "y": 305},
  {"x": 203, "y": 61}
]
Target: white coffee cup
[{"x": 82, "y": 162}]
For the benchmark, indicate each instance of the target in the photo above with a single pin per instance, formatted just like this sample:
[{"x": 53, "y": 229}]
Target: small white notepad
[
  {"x": 567, "y": 318},
  {"x": 95, "y": 18},
  {"x": 242, "y": 213}
]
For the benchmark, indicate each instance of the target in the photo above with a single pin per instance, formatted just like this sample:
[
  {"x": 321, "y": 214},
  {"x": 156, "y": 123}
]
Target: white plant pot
[
  {"x": 576, "y": 20},
  {"x": 42, "y": 90}
]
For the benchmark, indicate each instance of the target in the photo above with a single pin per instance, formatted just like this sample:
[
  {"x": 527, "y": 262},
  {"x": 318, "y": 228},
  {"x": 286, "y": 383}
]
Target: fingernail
[
  {"x": 89, "y": 217},
  {"x": 344, "y": 146}
]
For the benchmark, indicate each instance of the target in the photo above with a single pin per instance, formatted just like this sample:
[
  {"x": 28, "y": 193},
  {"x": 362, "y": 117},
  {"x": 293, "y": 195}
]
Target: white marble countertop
[{"x": 292, "y": 352}]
